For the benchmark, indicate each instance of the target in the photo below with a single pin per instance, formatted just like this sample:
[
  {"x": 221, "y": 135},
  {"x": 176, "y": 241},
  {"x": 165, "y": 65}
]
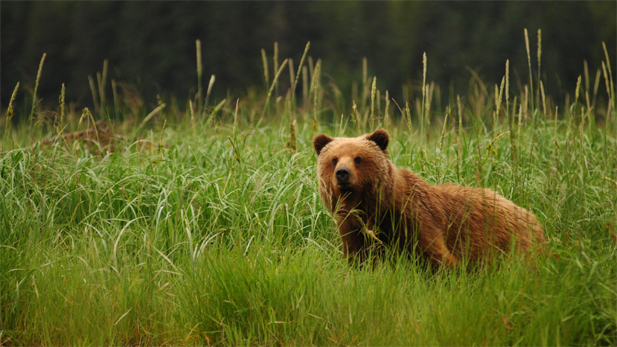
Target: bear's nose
[{"x": 342, "y": 175}]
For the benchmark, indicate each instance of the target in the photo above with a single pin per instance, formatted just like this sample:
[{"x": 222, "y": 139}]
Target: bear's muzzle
[{"x": 342, "y": 176}]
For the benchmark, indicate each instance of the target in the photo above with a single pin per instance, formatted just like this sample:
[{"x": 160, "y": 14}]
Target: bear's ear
[
  {"x": 320, "y": 141},
  {"x": 380, "y": 137}
]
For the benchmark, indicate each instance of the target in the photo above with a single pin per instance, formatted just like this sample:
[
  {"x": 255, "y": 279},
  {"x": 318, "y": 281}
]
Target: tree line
[{"x": 151, "y": 45}]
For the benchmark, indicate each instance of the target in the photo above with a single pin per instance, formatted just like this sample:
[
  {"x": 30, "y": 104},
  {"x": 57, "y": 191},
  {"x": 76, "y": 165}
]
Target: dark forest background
[{"x": 151, "y": 45}]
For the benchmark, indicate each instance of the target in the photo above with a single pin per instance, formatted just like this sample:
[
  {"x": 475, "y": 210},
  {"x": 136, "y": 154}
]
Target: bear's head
[{"x": 351, "y": 165}]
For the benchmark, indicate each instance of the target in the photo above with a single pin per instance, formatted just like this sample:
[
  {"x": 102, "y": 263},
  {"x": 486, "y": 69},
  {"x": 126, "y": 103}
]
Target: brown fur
[{"x": 444, "y": 223}]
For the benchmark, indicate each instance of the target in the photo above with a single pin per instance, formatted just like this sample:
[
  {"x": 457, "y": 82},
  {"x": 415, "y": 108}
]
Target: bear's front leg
[
  {"x": 432, "y": 244},
  {"x": 350, "y": 229}
]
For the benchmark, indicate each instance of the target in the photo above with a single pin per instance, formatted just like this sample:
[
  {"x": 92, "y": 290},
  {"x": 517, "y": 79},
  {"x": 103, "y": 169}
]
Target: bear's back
[{"x": 481, "y": 220}]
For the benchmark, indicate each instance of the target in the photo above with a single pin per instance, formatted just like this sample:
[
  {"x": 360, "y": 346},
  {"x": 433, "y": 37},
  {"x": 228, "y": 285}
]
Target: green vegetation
[{"x": 205, "y": 226}]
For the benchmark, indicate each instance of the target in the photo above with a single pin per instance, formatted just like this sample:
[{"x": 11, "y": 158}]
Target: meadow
[{"x": 200, "y": 223}]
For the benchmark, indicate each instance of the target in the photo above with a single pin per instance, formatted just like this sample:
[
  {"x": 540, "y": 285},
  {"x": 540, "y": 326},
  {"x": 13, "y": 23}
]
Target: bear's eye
[
  {"x": 334, "y": 161},
  {"x": 358, "y": 160}
]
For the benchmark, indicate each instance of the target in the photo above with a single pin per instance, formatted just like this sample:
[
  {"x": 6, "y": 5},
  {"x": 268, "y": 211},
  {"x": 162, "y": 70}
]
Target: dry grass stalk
[
  {"x": 596, "y": 85},
  {"x": 522, "y": 107},
  {"x": 199, "y": 95},
  {"x": 311, "y": 67},
  {"x": 498, "y": 96},
  {"x": 210, "y": 85},
  {"x": 102, "y": 82},
  {"x": 192, "y": 118},
  {"x": 556, "y": 110},
  {"x": 213, "y": 113},
  {"x": 354, "y": 112},
  {"x": 443, "y": 129},
  {"x": 544, "y": 108},
  {"x": 373, "y": 93},
  {"x": 199, "y": 69},
  {"x": 494, "y": 145},
  {"x": 302, "y": 68},
  {"x": 586, "y": 74},
  {"x": 292, "y": 141},
  {"x": 160, "y": 146},
  {"x": 275, "y": 66},
  {"x": 378, "y": 99},
  {"x": 610, "y": 74},
  {"x": 292, "y": 73},
  {"x": 539, "y": 62},
  {"x": 235, "y": 126},
  {"x": 9, "y": 111},
  {"x": 507, "y": 99},
  {"x": 365, "y": 84},
  {"x": 429, "y": 102},
  {"x": 386, "y": 116},
  {"x": 95, "y": 99},
  {"x": 511, "y": 126},
  {"x": 274, "y": 81},
  {"x": 305, "y": 91},
  {"x": 578, "y": 89},
  {"x": 529, "y": 64},
  {"x": 36, "y": 86},
  {"x": 264, "y": 59},
  {"x": 313, "y": 91},
  {"x": 608, "y": 81},
  {"x": 114, "y": 90},
  {"x": 150, "y": 115},
  {"x": 460, "y": 116},
  {"x": 59, "y": 124},
  {"x": 408, "y": 119},
  {"x": 236, "y": 152},
  {"x": 422, "y": 112}
]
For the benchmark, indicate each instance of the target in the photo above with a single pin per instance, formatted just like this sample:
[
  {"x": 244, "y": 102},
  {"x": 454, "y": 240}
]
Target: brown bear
[{"x": 373, "y": 199}]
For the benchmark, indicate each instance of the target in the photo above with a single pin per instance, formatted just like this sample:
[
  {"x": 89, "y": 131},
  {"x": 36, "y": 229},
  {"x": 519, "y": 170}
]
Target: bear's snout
[{"x": 342, "y": 176}]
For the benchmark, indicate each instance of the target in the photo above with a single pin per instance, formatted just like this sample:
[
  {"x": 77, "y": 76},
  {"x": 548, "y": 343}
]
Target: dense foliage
[{"x": 152, "y": 44}]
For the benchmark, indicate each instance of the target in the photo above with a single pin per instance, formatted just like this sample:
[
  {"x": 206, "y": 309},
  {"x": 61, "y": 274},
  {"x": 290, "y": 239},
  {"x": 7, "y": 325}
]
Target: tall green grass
[{"x": 207, "y": 227}]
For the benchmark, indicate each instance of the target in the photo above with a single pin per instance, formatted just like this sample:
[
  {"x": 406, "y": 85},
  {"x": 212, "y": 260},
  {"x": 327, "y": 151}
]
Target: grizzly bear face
[{"x": 350, "y": 165}]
